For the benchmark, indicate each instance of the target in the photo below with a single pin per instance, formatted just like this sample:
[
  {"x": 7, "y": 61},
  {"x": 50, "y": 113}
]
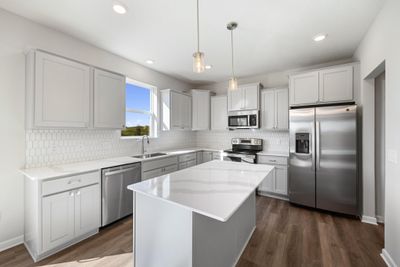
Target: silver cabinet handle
[
  {"x": 120, "y": 171},
  {"x": 78, "y": 193},
  {"x": 71, "y": 194},
  {"x": 74, "y": 181},
  {"x": 272, "y": 160}
]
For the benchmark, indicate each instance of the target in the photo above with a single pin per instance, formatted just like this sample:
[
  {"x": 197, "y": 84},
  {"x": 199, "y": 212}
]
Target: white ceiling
[{"x": 272, "y": 35}]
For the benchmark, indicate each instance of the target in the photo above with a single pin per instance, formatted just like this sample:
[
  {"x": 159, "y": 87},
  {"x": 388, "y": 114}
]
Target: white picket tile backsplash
[
  {"x": 273, "y": 141},
  {"x": 51, "y": 147}
]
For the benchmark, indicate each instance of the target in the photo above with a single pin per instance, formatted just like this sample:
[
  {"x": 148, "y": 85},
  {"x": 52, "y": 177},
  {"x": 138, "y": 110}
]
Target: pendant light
[
  {"x": 233, "y": 84},
  {"x": 198, "y": 57}
]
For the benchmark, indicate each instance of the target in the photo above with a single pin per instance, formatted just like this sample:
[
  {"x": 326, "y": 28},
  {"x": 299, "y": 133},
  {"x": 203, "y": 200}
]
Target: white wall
[
  {"x": 382, "y": 43},
  {"x": 17, "y": 36}
]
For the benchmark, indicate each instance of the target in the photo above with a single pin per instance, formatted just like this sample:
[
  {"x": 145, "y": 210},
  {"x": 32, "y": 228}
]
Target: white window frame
[{"x": 154, "y": 109}]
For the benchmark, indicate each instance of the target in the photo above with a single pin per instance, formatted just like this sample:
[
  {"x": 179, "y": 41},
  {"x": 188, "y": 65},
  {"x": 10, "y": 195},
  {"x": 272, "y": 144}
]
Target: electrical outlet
[{"x": 391, "y": 156}]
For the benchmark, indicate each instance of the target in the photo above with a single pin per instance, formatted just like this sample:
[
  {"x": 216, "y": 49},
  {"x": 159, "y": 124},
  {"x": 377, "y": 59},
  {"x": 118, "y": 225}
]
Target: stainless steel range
[{"x": 244, "y": 150}]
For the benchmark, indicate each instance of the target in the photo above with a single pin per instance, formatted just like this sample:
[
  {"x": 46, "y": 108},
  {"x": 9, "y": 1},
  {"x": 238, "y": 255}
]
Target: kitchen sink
[{"x": 150, "y": 155}]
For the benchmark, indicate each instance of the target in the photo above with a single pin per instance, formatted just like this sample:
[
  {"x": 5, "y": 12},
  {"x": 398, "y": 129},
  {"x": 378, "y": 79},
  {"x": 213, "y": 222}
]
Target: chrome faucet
[{"x": 148, "y": 142}]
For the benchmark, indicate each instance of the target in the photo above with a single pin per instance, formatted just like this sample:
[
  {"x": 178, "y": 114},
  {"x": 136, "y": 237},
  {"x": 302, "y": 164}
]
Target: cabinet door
[
  {"x": 268, "y": 109},
  {"x": 235, "y": 99},
  {"x": 251, "y": 96},
  {"x": 268, "y": 184},
  {"x": 281, "y": 180},
  {"x": 62, "y": 92},
  {"x": 207, "y": 156},
  {"x": 87, "y": 209},
  {"x": 304, "y": 88},
  {"x": 57, "y": 219},
  {"x": 336, "y": 84},
  {"x": 175, "y": 110},
  {"x": 219, "y": 113},
  {"x": 200, "y": 110},
  {"x": 186, "y": 112},
  {"x": 199, "y": 157},
  {"x": 282, "y": 109},
  {"x": 109, "y": 100}
]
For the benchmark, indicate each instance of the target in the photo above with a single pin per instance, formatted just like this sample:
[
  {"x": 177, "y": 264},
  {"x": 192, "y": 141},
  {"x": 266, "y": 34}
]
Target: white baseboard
[
  {"x": 369, "y": 219},
  {"x": 11, "y": 243},
  {"x": 388, "y": 259},
  {"x": 380, "y": 219}
]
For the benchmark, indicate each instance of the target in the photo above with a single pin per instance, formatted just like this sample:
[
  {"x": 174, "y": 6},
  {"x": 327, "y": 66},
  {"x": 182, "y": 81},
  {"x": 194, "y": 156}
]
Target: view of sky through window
[{"x": 137, "y": 98}]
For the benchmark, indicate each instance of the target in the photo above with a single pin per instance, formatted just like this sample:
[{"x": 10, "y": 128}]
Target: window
[{"x": 141, "y": 109}]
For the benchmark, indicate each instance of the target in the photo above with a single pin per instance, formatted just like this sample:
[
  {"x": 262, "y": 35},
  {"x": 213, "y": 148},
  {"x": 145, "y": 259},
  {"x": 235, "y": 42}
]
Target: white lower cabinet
[
  {"x": 277, "y": 181},
  {"x": 187, "y": 160},
  {"x": 60, "y": 212},
  {"x": 87, "y": 209},
  {"x": 207, "y": 156},
  {"x": 58, "y": 220}
]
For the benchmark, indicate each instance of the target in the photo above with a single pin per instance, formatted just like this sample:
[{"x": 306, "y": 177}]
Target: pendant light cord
[
  {"x": 198, "y": 27},
  {"x": 233, "y": 71}
]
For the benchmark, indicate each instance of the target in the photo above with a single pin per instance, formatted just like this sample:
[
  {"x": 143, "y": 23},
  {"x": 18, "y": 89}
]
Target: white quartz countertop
[
  {"x": 63, "y": 170},
  {"x": 215, "y": 189}
]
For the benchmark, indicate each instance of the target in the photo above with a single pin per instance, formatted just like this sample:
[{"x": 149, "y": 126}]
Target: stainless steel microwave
[{"x": 243, "y": 119}]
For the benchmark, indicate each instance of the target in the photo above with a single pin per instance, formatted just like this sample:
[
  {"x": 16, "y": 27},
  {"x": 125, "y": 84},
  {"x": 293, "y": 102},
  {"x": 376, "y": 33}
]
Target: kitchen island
[{"x": 200, "y": 216}]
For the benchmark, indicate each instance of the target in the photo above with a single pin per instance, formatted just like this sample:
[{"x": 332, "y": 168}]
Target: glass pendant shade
[
  {"x": 198, "y": 62},
  {"x": 233, "y": 84}
]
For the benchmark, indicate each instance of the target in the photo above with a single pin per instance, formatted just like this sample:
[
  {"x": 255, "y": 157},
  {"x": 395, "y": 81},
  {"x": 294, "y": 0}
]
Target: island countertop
[{"x": 215, "y": 189}]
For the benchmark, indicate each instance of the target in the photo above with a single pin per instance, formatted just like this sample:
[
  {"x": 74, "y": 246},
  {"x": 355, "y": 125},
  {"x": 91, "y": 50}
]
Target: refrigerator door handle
[{"x": 317, "y": 144}]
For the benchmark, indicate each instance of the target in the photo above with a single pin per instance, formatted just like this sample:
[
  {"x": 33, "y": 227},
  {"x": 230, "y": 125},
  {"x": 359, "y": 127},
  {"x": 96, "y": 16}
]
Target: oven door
[{"x": 238, "y": 121}]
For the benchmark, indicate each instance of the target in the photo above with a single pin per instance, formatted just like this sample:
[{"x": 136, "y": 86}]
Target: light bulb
[
  {"x": 198, "y": 62},
  {"x": 233, "y": 84}
]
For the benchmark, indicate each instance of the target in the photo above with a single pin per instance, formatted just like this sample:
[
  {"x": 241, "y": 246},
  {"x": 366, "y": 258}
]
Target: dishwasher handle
[{"x": 120, "y": 171}]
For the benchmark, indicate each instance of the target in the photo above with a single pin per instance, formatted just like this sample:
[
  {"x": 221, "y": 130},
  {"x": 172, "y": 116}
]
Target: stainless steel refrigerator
[{"x": 323, "y": 158}]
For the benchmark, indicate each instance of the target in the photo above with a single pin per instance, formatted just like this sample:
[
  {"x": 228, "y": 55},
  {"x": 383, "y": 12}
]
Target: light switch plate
[{"x": 391, "y": 156}]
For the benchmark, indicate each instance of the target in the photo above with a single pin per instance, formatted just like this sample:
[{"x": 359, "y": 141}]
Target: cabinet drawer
[
  {"x": 154, "y": 164},
  {"x": 159, "y": 172},
  {"x": 272, "y": 160},
  {"x": 187, "y": 157},
  {"x": 170, "y": 169},
  {"x": 187, "y": 164},
  {"x": 216, "y": 155},
  {"x": 71, "y": 182}
]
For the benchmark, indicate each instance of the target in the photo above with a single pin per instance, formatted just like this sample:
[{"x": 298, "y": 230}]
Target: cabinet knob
[
  {"x": 71, "y": 194},
  {"x": 78, "y": 193}
]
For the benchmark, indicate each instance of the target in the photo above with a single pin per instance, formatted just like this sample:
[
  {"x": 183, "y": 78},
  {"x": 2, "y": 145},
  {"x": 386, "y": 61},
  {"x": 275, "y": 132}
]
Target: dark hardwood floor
[{"x": 286, "y": 235}]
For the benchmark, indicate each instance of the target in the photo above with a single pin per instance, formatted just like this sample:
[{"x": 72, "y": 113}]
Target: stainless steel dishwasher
[{"x": 116, "y": 199}]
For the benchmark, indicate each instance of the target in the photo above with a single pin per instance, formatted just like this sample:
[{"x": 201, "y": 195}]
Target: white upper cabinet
[
  {"x": 200, "y": 110},
  {"x": 282, "y": 108},
  {"x": 268, "y": 109},
  {"x": 331, "y": 85},
  {"x": 246, "y": 97},
  {"x": 176, "y": 110},
  {"x": 275, "y": 109},
  {"x": 58, "y": 92},
  {"x": 336, "y": 84},
  {"x": 304, "y": 88},
  {"x": 109, "y": 100},
  {"x": 219, "y": 113},
  {"x": 63, "y": 93},
  {"x": 251, "y": 95}
]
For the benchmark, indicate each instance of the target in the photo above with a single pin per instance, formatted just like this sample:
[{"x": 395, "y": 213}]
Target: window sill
[{"x": 135, "y": 137}]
